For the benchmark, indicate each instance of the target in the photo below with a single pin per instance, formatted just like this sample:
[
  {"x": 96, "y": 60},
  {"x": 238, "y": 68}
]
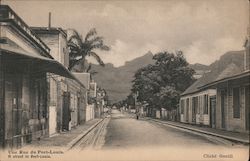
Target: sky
[{"x": 204, "y": 30}]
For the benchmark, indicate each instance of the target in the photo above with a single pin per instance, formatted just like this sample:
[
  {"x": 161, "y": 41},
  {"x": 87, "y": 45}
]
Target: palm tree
[{"x": 79, "y": 48}]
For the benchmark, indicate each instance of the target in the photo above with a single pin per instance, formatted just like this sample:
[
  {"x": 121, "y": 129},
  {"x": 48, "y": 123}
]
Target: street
[{"x": 123, "y": 131}]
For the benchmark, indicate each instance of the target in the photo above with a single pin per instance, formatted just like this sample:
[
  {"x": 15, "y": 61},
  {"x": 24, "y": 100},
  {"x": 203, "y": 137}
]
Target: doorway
[
  {"x": 52, "y": 120},
  {"x": 66, "y": 111},
  {"x": 213, "y": 112},
  {"x": 247, "y": 113},
  {"x": 187, "y": 110},
  {"x": 194, "y": 108},
  {"x": 223, "y": 95},
  {"x": 13, "y": 110}
]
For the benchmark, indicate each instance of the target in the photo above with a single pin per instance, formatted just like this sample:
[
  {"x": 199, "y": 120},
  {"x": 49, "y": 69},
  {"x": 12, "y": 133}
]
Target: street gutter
[
  {"x": 246, "y": 142},
  {"x": 71, "y": 144}
]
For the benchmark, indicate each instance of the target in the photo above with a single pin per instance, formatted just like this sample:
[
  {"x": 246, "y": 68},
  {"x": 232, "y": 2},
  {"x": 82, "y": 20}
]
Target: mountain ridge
[{"x": 117, "y": 81}]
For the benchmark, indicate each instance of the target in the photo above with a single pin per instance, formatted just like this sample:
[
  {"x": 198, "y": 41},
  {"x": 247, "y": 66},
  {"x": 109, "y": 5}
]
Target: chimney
[{"x": 49, "y": 25}]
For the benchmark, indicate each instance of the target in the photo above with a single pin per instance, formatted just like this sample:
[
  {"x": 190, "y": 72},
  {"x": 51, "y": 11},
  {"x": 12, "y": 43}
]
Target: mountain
[
  {"x": 234, "y": 57},
  {"x": 200, "y": 69},
  {"x": 229, "y": 64},
  {"x": 198, "y": 66},
  {"x": 117, "y": 81}
]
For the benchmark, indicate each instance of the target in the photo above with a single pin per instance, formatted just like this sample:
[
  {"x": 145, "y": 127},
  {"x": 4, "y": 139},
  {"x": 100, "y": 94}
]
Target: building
[
  {"x": 25, "y": 61},
  {"x": 66, "y": 103},
  {"x": 101, "y": 102},
  {"x": 197, "y": 108},
  {"x": 198, "y": 105},
  {"x": 227, "y": 97},
  {"x": 232, "y": 105},
  {"x": 56, "y": 40},
  {"x": 89, "y": 111}
]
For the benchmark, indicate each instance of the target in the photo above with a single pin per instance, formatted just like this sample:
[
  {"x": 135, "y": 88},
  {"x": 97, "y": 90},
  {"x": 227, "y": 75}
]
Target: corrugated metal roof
[{"x": 230, "y": 70}]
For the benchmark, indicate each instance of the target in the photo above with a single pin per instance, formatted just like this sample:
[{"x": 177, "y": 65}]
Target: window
[
  {"x": 205, "y": 104},
  {"x": 236, "y": 103}
]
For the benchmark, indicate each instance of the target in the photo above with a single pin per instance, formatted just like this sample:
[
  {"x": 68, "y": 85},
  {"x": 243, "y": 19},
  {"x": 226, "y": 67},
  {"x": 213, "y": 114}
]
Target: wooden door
[
  {"x": 187, "y": 110},
  {"x": 13, "y": 111},
  {"x": 223, "y": 95},
  {"x": 194, "y": 108},
  {"x": 247, "y": 113},
  {"x": 78, "y": 111},
  {"x": 66, "y": 111},
  {"x": 213, "y": 112}
]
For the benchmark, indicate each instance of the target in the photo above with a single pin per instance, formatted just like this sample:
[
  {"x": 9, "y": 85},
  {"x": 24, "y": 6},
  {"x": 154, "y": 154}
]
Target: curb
[
  {"x": 80, "y": 136},
  {"x": 205, "y": 132}
]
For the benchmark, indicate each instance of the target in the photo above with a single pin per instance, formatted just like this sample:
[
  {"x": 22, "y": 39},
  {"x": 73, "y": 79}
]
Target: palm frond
[
  {"x": 105, "y": 47},
  {"x": 96, "y": 40},
  {"x": 77, "y": 37},
  {"x": 72, "y": 45},
  {"x": 90, "y": 33},
  {"x": 98, "y": 59}
]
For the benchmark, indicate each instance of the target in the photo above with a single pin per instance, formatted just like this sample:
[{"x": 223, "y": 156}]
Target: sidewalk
[
  {"x": 232, "y": 136},
  {"x": 66, "y": 139}
]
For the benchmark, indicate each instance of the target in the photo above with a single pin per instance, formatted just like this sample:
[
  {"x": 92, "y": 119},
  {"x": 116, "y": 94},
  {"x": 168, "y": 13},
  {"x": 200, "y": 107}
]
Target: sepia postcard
[{"x": 118, "y": 80}]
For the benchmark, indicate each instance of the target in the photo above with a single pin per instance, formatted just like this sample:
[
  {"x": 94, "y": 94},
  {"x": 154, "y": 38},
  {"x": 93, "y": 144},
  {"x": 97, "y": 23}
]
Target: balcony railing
[{"x": 7, "y": 14}]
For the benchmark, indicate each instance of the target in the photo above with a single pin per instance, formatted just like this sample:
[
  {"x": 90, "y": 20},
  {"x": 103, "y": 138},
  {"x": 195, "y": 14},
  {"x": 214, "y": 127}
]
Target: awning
[{"x": 43, "y": 64}]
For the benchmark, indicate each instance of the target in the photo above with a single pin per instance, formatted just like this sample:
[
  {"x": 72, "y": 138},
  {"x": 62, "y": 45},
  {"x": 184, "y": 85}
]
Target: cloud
[
  {"x": 123, "y": 51},
  {"x": 203, "y": 29},
  {"x": 205, "y": 52}
]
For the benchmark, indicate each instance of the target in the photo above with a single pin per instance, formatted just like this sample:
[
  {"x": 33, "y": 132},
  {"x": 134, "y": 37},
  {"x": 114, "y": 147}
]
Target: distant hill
[
  {"x": 200, "y": 69},
  {"x": 229, "y": 64},
  {"x": 117, "y": 80},
  {"x": 198, "y": 66},
  {"x": 235, "y": 57}
]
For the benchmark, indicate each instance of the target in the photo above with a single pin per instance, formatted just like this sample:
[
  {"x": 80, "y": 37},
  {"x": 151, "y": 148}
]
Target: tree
[
  {"x": 80, "y": 47},
  {"x": 161, "y": 84}
]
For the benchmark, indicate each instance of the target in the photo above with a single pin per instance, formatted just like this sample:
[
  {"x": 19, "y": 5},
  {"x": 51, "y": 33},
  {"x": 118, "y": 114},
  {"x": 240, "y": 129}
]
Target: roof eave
[{"x": 214, "y": 83}]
